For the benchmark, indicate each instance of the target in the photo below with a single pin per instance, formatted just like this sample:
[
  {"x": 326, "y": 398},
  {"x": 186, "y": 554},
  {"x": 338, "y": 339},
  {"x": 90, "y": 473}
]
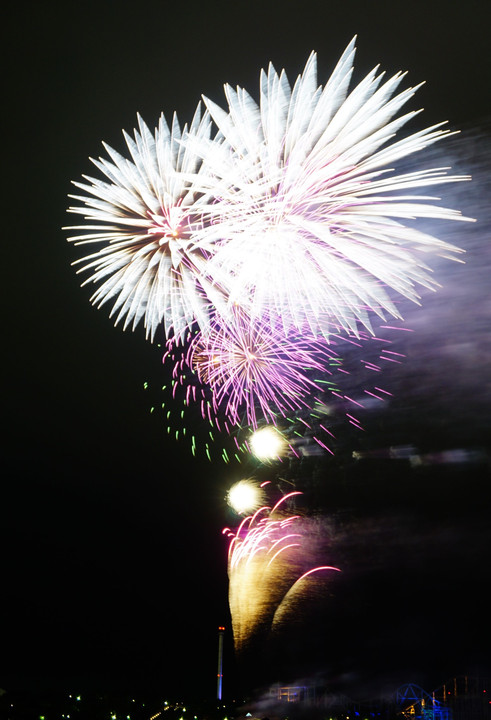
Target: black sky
[{"x": 113, "y": 566}]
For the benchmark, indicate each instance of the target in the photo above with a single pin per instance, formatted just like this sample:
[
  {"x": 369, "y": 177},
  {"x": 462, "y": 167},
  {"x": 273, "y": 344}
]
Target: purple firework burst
[{"x": 256, "y": 371}]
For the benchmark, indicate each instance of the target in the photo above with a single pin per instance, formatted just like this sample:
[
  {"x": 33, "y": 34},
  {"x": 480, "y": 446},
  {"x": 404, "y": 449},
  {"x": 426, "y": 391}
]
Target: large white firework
[
  {"x": 146, "y": 216},
  {"x": 307, "y": 218},
  {"x": 291, "y": 211}
]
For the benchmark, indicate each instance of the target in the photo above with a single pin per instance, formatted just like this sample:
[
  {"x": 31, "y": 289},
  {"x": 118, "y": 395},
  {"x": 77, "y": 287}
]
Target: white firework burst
[
  {"x": 146, "y": 215},
  {"x": 308, "y": 213},
  {"x": 292, "y": 211}
]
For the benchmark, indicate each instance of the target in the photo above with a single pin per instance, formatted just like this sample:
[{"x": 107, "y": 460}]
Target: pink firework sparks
[
  {"x": 219, "y": 378},
  {"x": 256, "y": 371}
]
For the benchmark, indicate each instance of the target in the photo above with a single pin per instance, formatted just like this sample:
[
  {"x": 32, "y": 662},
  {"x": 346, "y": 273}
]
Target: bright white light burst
[
  {"x": 267, "y": 443},
  {"x": 308, "y": 217},
  {"x": 245, "y": 496}
]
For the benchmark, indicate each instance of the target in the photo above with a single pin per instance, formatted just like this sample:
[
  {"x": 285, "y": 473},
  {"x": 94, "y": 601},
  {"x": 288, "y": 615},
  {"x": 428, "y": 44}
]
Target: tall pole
[{"x": 221, "y": 631}]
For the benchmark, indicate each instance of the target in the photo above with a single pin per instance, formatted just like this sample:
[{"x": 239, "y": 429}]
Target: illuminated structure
[
  {"x": 417, "y": 703},
  {"x": 460, "y": 698},
  {"x": 292, "y": 693},
  {"x": 221, "y": 632}
]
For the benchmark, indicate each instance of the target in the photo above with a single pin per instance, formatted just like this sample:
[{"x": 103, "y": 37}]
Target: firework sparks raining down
[
  {"x": 266, "y": 568},
  {"x": 291, "y": 209},
  {"x": 215, "y": 379}
]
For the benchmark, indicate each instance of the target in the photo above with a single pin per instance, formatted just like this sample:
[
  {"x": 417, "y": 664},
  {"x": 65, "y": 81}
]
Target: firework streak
[{"x": 266, "y": 568}]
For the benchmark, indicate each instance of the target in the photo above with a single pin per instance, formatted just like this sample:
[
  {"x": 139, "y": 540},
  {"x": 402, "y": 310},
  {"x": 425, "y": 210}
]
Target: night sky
[{"x": 113, "y": 565}]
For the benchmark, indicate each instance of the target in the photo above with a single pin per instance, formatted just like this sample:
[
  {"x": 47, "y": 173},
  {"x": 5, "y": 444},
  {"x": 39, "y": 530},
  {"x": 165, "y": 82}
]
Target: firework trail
[{"x": 266, "y": 566}]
